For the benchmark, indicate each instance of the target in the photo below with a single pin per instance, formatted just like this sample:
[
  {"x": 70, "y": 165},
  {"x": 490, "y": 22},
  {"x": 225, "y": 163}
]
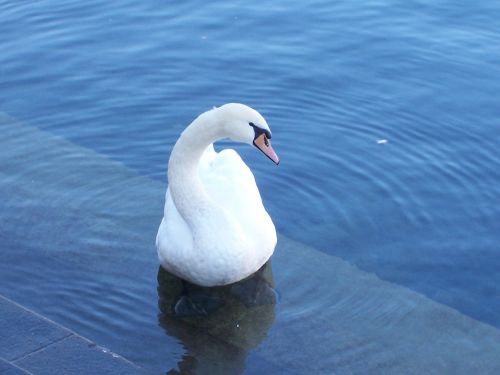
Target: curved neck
[{"x": 186, "y": 188}]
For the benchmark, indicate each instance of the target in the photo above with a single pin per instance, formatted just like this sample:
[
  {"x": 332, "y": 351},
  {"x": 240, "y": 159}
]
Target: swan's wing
[
  {"x": 174, "y": 236},
  {"x": 231, "y": 184}
]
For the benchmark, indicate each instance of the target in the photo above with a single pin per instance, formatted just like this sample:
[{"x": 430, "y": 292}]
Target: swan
[{"x": 215, "y": 229}]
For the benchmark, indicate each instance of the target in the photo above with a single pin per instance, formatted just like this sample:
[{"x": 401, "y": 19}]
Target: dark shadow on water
[{"x": 217, "y": 326}]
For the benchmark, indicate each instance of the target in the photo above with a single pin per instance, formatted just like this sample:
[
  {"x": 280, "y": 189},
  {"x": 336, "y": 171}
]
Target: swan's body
[{"x": 215, "y": 229}]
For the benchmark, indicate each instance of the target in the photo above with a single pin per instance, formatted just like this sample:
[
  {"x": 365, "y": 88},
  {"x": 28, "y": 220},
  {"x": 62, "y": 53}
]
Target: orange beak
[{"x": 264, "y": 145}]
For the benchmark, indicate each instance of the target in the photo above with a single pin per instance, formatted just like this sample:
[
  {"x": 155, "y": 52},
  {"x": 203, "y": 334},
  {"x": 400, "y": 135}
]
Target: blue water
[{"x": 421, "y": 210}]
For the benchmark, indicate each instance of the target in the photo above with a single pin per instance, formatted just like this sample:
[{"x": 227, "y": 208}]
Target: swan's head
[{"x": 244, "y": 124}]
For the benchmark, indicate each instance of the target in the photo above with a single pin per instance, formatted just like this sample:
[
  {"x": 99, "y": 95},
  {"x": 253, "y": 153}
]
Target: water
[{"x": 420, "y": 211}]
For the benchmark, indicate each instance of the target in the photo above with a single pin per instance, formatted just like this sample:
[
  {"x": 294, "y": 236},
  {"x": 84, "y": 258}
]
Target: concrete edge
[{"x": 17, "y": 361}]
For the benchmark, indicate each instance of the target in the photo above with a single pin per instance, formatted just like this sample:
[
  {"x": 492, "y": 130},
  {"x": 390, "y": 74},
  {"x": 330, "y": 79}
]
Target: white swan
[{"x": 215, "y": 229}]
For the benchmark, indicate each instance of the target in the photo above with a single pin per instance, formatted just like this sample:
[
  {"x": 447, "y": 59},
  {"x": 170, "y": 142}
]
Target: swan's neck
[{"x": 186, "y": 188}]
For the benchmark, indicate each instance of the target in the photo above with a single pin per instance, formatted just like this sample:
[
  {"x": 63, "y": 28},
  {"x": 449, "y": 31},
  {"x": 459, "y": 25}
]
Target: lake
[{"x": 384, "y": 113}]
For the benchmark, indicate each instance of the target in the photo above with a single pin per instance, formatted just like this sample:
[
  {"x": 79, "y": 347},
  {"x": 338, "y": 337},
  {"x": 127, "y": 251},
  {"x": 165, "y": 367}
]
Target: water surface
[{"x": 332, "y": 79}]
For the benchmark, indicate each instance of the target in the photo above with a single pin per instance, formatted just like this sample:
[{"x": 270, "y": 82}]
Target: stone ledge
[
  {"x": 33, "y": 344},
  {"x": 7, "y": 368}
]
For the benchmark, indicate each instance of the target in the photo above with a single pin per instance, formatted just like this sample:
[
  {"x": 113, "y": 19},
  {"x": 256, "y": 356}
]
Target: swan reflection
[{"x": 217, "y": 326}]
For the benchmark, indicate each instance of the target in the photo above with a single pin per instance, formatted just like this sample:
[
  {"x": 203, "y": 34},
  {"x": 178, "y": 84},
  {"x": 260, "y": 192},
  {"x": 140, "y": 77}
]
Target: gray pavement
[{"x": 33, "y": 344}]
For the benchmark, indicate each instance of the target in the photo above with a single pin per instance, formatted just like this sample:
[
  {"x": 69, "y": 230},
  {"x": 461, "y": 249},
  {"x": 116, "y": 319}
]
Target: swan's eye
[{"x": 258, "y": 131}]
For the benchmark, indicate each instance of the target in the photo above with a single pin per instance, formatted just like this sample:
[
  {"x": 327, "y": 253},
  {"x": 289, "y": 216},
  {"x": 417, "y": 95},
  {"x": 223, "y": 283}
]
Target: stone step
[{"x": 33, "y": 344}]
